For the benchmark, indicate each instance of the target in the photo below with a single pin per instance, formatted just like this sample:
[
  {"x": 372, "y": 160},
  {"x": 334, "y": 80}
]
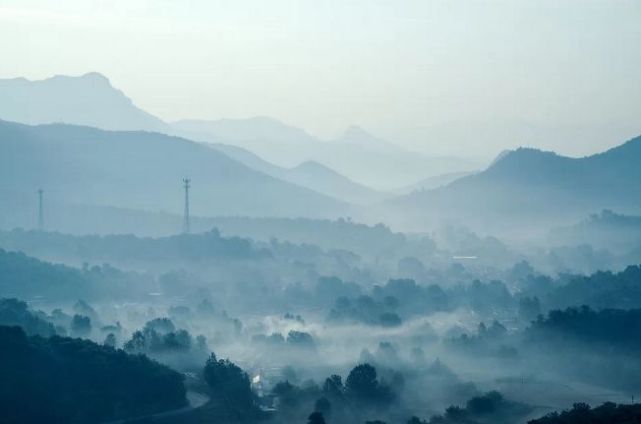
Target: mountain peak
[
  {"x": 354, "y": 133},
  {"x": 523, "y": 154},
  {"x": 96, "y": 77},
  {"x": 87, "y": 99},
  {"x": 254, "y": 129},
  {"x": 312, "y": 165},
  {"x": 500, "y": 157},
  {"x": 528, "y": 161}
]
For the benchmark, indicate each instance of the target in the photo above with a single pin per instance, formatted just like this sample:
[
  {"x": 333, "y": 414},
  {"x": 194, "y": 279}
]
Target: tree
[
  {"x": 77, "y": 381},
  {"x": 137, "y": 343},
  {"x": 316, "y": 418},
  {"x": 300, "y": 338},
  {"x": 582, "y": 413},
  {"x": 80, "y": 325},
  {"x": 110, "y": 340},
  {"x": 323, "y": 405},
  {"x": 160, "y": 325},
  {"x": 362, "y": 383},
  {"x": 201, "y": 343},
  {"x": 333, "y": 385},
  {"x": 529, "y": 308},
  {"x": 16, "y": 312},
  {"x": 158, "y": 336},
  {"x": 228, "y": 379},
  {"x": 390, "y": 319},
  {"x": 485, "y": 404}
]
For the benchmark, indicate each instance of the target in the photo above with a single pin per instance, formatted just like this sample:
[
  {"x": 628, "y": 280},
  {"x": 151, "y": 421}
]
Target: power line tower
[
  {"x": 41, "y": 217},
  {"x": 186, "y": 225}
]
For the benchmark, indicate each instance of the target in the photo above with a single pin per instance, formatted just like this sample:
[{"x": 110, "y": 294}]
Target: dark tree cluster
[
  {"x": 611, "y": 329},
  {"x": 159, "y": 336},
  {"x": 603, "y": 289},
  {"x": 365, "y": 309},
  {"x": 581, "y": 413},
  {"x": 411, "y": 298},
  {"x": 15, "y": 312},
  {"x": 80, "y": 326},
  {"x": 334, "y": 400},
  {"x": 59, "y": 379},
  {"x": 342, "y": 233},
  {"x": 490, "y": 407},
  {"x": 127, "y": 248},
  {"x": 28, "y": 277},
  {"x": 491, "y": 341},
  {"x": 230, "y": 382},
  {"x": 362, "y": 384},
  {"x": 295, "y": 339}
]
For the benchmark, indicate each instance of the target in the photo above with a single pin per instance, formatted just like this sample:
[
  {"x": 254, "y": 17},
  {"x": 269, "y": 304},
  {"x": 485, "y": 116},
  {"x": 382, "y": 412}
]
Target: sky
[{"x": 467, "y": 78}]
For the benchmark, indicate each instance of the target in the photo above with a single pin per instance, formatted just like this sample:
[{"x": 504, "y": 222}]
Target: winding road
[{"x": 194, "y": 399}]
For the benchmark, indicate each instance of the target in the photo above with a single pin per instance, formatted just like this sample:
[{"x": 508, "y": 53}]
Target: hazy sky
[{"x": 462, "y": 77}]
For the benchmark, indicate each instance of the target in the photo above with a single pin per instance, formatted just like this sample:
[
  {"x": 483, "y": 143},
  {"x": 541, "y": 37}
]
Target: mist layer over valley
[{"x": 245, "y": 269}]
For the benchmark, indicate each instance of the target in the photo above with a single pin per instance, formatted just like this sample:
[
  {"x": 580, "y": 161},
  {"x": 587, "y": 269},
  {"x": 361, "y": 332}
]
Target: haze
[
  {"x": 457, "y": 78},
  {"x": 321, "y": 212}
]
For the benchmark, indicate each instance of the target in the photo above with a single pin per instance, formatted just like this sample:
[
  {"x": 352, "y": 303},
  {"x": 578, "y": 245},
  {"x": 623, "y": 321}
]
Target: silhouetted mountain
[
  {"x": 358, "y": 136},
  {"x": 309, "y": 174},
  {"x": 89, "y": 99},
  {"x": 432, "y": 182},
  {"x": 139, "y": 170},
  {"x": 248, "y": 158},
  {"x": 364, "y": 157},
  {"x": 527, "y": 187},
  {"x": 78, "y": 381},
  {"x": 356, "y": 154},
  {"x": 260, "y": 129},
  {"x": 608, "y": 229},
  {"x": 324, "y": 180}
]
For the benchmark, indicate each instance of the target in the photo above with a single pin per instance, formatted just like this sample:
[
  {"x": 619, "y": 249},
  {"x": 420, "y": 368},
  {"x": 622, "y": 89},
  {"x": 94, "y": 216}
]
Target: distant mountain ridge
[
  {"x": 88, "y": 100},
  {"x": 606, "y": 229},
  {"x": 527, "y": 187},
  {"x": 91, "y": 100},
  {"x": 310, "y": 174},
  {"x": 140, "y": 170},
  {"x": 356, "y": 154},
  {"x": 258, "y": 128},
  {"x": 432, "y": 182}
]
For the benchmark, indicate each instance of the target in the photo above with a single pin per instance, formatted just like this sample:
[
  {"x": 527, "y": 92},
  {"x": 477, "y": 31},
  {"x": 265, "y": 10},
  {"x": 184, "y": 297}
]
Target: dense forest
[
  {"x": 406, "y": 335},
  {"x": 345, "y": 212},
  {"x": 59, "y": 379}
]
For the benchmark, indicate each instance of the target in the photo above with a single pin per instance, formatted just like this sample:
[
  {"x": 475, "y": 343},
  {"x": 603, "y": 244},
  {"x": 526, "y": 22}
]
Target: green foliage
[
  {"x": 602, "y": 289},
  {"x": 27, "y": 277},
  {"x": 608, "y": 413},
  {"x": 365, "y": 309},
  {"x": 300, "y": 339},
  {"x": 16, "y": 312},
  {"x": 489, "y": 407},
  {"x": 159, "y": 336},
  {"x": 316, "y": 418},
  {"x": 363, "y": 385},
  {"x": 229, "y": 380},
  {"x": 80, "y": 326},
  {"x": 58, "y": 379},
  {"x": 611, "y": 329}
]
